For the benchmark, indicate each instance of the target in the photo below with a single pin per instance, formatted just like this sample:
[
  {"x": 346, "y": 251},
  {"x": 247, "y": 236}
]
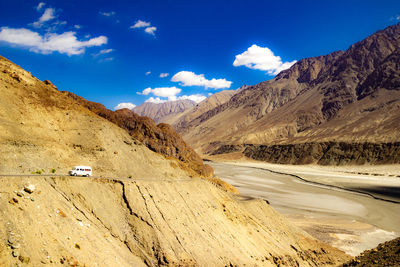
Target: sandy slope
[{"x": 185, "y": 223}]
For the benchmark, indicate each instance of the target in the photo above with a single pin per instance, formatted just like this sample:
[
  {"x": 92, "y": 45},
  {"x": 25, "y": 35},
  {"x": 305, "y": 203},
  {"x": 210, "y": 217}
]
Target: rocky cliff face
[
  {"x": 347, "y": 96},
  {"x": 160, "y": 112}
]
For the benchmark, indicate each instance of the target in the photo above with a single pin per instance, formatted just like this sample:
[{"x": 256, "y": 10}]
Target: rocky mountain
[
  {"x": 179, "y": 121},
  {"x": 340, "y": 108},
  {"x": 159, "y": 111},
  {"x": 152, "y": 213}
]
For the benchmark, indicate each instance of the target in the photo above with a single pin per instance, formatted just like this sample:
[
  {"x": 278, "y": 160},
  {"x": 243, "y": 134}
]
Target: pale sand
[{"x": 350, "y": 221}]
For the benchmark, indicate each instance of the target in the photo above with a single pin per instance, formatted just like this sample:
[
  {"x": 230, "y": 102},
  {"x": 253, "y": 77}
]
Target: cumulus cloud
[
  {"x": 155, "y": 100},
  {"x": 124, "y": 105},
  {"x": 140, "y": 24},
  {"x": 49, "y": 14},
  {"x": 150, "y": 30},
  {"x": 107, "y": 14},
  {"x": 76, "y": 26},
  {"x": 40, "y": 5},
  {"x": 163, "y": 75},
  {"x": 162, "y": 91},
  {"x": 144, "y": 24},
  {"x": 261, "y": 58},
  {"x": 64, "y": 43},
  {"x": 188, "y": 78},
  {"x": 148, "y": 73}
]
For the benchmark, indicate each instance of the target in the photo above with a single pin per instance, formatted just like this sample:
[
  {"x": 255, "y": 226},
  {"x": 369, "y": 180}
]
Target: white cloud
[
  {"x": 148, "y": 73},
  {"x": 162, "y": 91},
  {"x": 64, "y": 43},
  {"x": 124, "y": 105},
  {"x": 40, "y": 5},
  {"x": 49, "y": 14},
  {"x": 188, "y": 78},
  {"x": 144, "y": 24},
  {"x": 163, "y": 75},
  {"x": 106, "y": 51},
  {"x": 196, "y": 98},
  {"x": 140, "y": 24},
  {"x": 156, "y": 100},
  {"x": 76, "y": 26},
  {"x": 107, "y": 14},
  {"x": 261, "y": 58},
  {"x": 150, "y": 30}
]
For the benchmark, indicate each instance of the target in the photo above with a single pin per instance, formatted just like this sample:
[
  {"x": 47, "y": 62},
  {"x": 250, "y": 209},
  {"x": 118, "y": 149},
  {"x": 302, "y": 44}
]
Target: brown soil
[{"x": 386, "y": 254}]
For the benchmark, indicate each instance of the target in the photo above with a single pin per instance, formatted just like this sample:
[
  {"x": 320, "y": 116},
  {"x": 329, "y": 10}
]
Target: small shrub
[
  {"x": 53, "y": 170},
  {"x": 129, "y": 176},
  {"x": 37, "y": 172}
]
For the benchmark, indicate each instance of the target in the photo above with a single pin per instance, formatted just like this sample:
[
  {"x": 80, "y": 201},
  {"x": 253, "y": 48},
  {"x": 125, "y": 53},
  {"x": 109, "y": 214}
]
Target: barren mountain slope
[
  {"x": 351, "y": 97},
  {"x": 155, "y": 223},
  {"x": 158, "y": 112},
  {"x": 41, "y": 128},
  {"x": 160, "y": 217},
  {"x": 179, "y": 121},
  {"x": 160, "y": 138}
]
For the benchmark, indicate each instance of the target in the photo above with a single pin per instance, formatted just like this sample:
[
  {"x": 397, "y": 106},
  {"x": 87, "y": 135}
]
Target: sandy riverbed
[{"x": 348, "y": 220}]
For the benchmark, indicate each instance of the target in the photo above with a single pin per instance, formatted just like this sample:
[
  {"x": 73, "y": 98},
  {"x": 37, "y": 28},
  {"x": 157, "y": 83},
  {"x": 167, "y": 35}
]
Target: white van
[{"x": 81, "y": 171}]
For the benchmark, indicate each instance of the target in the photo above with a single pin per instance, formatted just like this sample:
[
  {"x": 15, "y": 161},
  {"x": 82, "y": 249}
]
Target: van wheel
[
  {"x": 75, "y": 174},
  {"x": 87, "y": 175}
]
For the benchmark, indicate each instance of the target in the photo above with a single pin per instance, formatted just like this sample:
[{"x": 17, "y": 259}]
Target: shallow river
[{"x": 290, "y": 195}]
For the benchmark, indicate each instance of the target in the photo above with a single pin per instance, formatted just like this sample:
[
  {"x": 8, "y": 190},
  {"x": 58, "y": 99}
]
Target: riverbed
[{"x": 350, "y": 211}]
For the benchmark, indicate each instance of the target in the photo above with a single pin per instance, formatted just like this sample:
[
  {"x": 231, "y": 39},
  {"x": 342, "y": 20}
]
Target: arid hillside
[
  {"x": 43, "y": 128},
  {"x": 160, "y": 138},
  {"x": 190, "y": 222},
  {"x": 160, "y": 111},
  {"x": 347, "y": 98},
  {"x": 156, "y": 213}
]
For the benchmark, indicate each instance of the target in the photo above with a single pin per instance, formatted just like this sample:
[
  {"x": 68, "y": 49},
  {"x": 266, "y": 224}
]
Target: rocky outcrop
[
  {"x": 386, "y": 254},
  {"x": 331, "y": 153},
  {"x": 160, "y": 138},
  {"x": 325, "y": 153}
]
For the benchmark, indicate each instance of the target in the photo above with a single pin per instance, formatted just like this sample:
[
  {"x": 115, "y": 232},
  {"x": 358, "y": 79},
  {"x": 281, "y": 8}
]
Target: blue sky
[{"x": 115, "y": 51}]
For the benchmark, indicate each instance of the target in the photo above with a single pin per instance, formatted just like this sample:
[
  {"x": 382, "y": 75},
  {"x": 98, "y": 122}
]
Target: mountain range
[
  {"x": 151, "y": 202},
  {"x": 339, "y": 108}
]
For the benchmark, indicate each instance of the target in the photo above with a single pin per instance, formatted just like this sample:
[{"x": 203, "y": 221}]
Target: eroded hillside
[
  {"x": 189, "y": 222},
  {"x": 44, "y": 129}
]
